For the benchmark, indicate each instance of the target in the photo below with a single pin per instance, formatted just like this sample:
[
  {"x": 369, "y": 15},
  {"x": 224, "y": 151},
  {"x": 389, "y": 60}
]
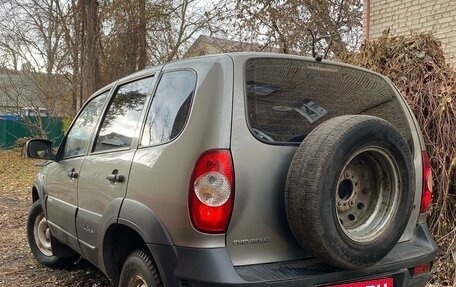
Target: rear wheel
[
  {"x": 39, "y": 238},
  {"x": 139, "y": 270}
]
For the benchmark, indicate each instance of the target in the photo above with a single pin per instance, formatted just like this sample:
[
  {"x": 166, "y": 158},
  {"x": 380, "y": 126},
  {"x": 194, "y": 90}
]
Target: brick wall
[{"x": 401, "y": 16}]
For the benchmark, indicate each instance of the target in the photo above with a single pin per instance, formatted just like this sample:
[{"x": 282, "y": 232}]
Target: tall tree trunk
[
  {"x": 51, "y": 31},
  {"x": 131, "y": 42},
  {"x": 142, "y": 49},
  {"x": 77, "y": 55},
  {"x": 72, "y": 22},
  {"x": 90, "y": 64}
]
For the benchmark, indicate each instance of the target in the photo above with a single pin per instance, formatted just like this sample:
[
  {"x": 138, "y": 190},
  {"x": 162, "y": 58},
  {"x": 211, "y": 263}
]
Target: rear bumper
[{"x": 212, "y": 267}]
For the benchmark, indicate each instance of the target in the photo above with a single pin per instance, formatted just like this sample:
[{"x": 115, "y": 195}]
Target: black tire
[
  {"x": 320, "y": 183},
  {"x": 139, "y": 267},
  {"x": 41, "y": 253}
]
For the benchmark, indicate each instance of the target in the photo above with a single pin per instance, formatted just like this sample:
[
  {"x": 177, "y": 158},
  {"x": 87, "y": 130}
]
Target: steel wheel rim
[
  {"x": 367, "y": 194},
  {"x": 137, "y": 281},
  {"x": 42, "y": 235}
]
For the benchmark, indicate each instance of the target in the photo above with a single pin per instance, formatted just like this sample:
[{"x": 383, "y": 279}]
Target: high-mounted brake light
[
  {"x": 426, "y": 197},
  {"x": 211, "y": 191}
]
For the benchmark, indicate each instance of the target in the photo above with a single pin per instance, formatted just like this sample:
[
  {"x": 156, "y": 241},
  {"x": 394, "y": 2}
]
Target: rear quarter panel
[{"x": 160, "y": 174}]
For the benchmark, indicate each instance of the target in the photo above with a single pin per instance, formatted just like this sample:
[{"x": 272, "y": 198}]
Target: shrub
[{"x": 416, "y": 64}]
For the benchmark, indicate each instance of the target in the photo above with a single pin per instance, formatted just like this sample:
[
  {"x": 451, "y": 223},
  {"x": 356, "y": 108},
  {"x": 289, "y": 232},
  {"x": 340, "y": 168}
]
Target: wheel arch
[
  {"x": 137, "y": 227},
  {"x": 118, "y": 242},
  {"x": 39, "y": 193}
]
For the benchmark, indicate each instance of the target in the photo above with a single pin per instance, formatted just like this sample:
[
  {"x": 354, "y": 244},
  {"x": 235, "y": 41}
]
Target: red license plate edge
[{"x": 383, "y": 282}]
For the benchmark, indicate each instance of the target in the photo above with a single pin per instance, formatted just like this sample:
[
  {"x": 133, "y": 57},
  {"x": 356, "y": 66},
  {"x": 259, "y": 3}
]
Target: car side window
[
  {"x": 170, "y": 107},
  {"x": 78, "y": 138},
  {"x": 122, "y": 117}
]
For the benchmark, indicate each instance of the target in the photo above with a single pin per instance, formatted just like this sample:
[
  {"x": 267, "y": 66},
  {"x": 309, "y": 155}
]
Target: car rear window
[
  {"x": 170, "y": 108},
  {"x": 286, "y": 98}
]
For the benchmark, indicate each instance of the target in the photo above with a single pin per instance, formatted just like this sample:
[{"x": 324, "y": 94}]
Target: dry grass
[
  {"x": 17, "y": 265},
  {"x": 416, "y": 64}
]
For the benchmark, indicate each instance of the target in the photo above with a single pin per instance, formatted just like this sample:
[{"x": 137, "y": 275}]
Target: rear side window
[
  {"x": 170, "y": 107},
  {"x": 120, "y": 122},
  {"x": 286, "y": 99}
]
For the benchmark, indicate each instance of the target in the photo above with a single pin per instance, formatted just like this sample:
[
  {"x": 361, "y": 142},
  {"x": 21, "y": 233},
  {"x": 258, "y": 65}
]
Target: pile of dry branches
[{"x": 417, "y": 66}]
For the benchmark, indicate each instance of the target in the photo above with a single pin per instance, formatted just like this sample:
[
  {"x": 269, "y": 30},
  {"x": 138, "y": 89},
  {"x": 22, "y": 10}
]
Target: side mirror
[{"x": 39, "y": 148}]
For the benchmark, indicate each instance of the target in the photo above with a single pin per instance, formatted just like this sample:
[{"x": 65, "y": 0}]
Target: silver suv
[{"x": 247, "y": 169}]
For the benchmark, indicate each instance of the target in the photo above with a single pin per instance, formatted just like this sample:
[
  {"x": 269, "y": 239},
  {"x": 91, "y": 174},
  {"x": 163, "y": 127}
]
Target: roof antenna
[{"x": 318, "y": 58}]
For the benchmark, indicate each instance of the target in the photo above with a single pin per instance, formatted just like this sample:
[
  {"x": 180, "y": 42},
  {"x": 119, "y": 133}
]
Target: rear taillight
[
  {"x": 211, "y": 192},
  {"x": 426, "y": 197}
]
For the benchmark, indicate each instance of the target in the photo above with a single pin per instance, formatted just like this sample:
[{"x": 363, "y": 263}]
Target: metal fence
[{"x": 13, "y": 129}]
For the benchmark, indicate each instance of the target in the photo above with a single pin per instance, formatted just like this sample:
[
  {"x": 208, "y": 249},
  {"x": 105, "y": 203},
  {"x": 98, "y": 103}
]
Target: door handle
[
  {"x": 72, "y": 174},
  {"x": 115, "y": 176}
]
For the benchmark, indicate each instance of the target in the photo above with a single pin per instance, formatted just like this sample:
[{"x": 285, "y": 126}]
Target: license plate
[{"x": 387, "y": 282}]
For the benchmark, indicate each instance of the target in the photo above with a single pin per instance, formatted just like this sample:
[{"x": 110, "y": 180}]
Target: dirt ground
[{"x": 17, "y": 265}]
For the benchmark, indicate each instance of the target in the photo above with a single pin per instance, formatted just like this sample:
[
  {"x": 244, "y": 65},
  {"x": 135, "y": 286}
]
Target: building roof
[
  {"x": 17, "y": 89},
  {"x": 206, "y": 45},
  {"x": 20, "y": 89}
]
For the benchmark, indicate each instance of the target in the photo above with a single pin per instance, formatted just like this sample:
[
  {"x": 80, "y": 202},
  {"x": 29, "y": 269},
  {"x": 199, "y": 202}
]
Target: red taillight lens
[
  {"x": 211, "y": 192},
  {"x": 426, "y": 197}
]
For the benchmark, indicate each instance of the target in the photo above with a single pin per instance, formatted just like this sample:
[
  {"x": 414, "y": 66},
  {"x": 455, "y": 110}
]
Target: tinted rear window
[{"x": 286, "y": 98}]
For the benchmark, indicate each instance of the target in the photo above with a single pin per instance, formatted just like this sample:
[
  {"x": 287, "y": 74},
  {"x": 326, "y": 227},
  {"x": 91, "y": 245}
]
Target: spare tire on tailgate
[{"x": 349, "y": 190}]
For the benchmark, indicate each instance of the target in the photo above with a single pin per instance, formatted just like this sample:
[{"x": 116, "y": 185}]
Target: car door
[
  {"x": 104, "y": 172},
  {"x": 63, "y": 174}
]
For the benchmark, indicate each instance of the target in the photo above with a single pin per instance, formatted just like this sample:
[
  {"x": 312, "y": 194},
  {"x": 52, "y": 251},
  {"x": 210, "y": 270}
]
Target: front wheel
[
  {"x": 139, "y": 270},
  {"x": 39, "y": 238}
]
